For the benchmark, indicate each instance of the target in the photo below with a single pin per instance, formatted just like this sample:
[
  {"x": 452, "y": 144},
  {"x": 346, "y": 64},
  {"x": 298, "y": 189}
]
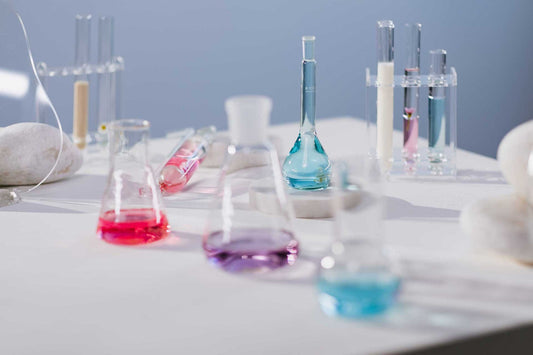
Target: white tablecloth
[{"x": 63, "y": 291}]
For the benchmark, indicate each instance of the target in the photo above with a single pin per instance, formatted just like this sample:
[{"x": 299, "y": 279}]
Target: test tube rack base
[{"x": 422, "y": 161}]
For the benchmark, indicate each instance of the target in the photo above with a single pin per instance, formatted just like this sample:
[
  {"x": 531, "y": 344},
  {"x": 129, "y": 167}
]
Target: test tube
[
  {"x": 411, "y": 93},
  {"x": 106, "y": 79},
  {"x": 80, "y": 124},
  {"x": 437, "y": 106},
  {"x": 385, "y": 91}
]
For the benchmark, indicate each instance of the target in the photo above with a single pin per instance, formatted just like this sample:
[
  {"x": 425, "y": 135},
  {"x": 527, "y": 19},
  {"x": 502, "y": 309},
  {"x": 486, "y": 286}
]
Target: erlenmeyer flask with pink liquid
[{"x": 132, "y": 211}]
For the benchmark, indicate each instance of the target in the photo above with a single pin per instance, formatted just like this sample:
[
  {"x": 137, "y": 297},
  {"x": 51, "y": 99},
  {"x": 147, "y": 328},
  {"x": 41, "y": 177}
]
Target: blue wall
[{"x": 185, "y": 57}]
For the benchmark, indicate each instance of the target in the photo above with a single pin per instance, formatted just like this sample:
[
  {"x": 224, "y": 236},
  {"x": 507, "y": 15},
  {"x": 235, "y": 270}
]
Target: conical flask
[
  {"x": 307, "y": 167},
  {"x": 356, "y": 278},
  {"x": 131, "y": 212},
  {"x": 239, "y": 238}
]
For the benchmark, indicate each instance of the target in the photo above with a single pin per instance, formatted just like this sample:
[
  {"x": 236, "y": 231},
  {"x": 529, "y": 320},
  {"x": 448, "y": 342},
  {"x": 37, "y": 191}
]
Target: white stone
[
  {"x": 513, "y": 155},
  {"x": 217, "y": 153},
  {"x": 28, "y": 151},
  {"x": 306, "y": 204},
  {"x": 500, "y": 224}
]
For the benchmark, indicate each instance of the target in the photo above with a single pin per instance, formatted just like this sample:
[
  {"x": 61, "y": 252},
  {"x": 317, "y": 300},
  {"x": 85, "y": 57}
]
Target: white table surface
[{"x": 63, "y": 291}]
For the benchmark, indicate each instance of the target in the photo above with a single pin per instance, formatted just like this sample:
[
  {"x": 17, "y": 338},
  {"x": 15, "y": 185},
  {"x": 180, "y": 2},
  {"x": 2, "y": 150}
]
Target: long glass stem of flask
[
  {"x": 308, "y": 97},
  {"x": 411, "y": 114}
]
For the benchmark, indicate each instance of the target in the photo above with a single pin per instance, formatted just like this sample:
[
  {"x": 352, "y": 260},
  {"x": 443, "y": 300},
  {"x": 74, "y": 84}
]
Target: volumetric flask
[
  {"x": 238, "y": 237},
  {"x": 355, "y": 277},
  {"x": 132, "y": 212}
]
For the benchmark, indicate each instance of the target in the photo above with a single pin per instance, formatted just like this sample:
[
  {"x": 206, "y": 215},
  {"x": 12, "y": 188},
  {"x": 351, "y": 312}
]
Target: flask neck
[
  {"x": 308, "y": 97},
  {"x": 128, "y": 146}
]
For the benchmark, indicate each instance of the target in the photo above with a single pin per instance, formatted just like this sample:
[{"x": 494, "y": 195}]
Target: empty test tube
[
  {"x": 385, "y": 91},
  {"x": 437, "y": 106},
  {"x": 81, "y": 81},
  {"x": 411, "y": 93},
  {"x": 106, "y": 80}
]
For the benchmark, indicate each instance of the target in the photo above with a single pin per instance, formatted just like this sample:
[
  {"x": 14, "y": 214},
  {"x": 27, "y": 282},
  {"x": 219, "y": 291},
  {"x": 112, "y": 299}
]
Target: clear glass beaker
[
  {"x": 132, "y": 211},
  {"x": 237, "y": 237},
  {"x": 355, "y": 277}
]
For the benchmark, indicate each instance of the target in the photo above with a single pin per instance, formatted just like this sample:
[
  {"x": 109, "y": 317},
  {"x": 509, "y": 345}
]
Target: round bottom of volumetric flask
[
  {"x": 132, "y": 227},
  {"x": 358, "y": 296},
  {"x": 250, "y": 250}
]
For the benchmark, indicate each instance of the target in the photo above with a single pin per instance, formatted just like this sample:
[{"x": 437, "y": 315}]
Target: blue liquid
[
  {"x": 307, "y": 167},
  {"x": 358, "y": 295},
  {"x": 437, "y": 122}
]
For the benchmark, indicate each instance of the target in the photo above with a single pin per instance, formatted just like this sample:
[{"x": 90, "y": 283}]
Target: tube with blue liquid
[{"x": 437, "y": 106}]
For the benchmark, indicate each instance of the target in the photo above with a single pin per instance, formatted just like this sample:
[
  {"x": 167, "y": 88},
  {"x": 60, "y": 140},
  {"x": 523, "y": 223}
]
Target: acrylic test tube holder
[
  {"x": 422, "y": 166},
  {"x": 114, "y": 69}
]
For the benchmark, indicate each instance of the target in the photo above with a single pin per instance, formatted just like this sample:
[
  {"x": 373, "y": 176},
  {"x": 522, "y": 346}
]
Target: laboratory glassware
[
  {"x": 356, "y": 278},
  {"x": 238, "y": 238},
  {"x": 385, "y": 91},
  {"x": 22, "y": 99},
  {"x": 437, "y": 106},
  {"x": 132, "y": 211},
  {"x": 107, "y": 110},
  {"x": 80, "y": 125},
  {"x": 307, "y": 166},
  {"x": 424, "y": 166},
  {"x": 411, "y": 94},
  {"x": 184, "y": 161}
]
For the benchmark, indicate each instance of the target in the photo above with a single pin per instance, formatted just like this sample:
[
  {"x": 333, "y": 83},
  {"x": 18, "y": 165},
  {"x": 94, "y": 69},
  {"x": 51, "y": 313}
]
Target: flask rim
[{"x": 129, "y": 124}]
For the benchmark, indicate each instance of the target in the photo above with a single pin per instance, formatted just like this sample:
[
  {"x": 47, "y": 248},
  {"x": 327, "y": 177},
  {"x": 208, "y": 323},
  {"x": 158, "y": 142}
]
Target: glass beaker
[
  {"x": 237, "y": 237},
  {"x": 355, "y": 277},
  {"x": 132, "y": 211}
]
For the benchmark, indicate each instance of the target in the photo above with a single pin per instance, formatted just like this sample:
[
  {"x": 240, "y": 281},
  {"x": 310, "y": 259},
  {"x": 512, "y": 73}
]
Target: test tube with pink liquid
[{"x": 411, "y": 94}]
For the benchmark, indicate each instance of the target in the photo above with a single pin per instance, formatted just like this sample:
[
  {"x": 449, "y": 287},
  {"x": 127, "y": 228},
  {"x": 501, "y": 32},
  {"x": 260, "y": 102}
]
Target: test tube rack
[
  {"x": 422, "y": 166},
  {"x": 106, "y": 73}
]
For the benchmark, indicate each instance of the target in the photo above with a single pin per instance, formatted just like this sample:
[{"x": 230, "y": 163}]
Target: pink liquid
[
  {"x": 251, "y": 249},
  {"x": 178, "y": 171},
  {"x": 132, "y": 227},
  {"x": 410, "y": 134}
]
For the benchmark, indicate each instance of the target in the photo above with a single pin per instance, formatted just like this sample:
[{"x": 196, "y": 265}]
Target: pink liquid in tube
[
  {"x": 181, "y": 166},
  {"x": 410, "y": 133}
]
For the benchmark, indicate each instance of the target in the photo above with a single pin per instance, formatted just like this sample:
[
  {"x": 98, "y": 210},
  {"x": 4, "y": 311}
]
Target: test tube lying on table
[{"x": 184, "y": 159}]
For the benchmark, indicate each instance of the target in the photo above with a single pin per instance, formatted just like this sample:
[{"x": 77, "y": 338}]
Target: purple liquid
[{"x": 251, "y": 249}]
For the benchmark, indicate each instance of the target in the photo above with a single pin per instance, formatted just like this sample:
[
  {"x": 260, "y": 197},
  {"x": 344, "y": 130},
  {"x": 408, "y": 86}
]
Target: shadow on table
[
  {"x": 410, "y": 315},
  {"x": 438, "y": 280},
  {"x": 177, "y": 242},
  {"x": 397, "y": 208},
  {"x": 480, "y": 177},
  {"x": 302, "y": 272}
]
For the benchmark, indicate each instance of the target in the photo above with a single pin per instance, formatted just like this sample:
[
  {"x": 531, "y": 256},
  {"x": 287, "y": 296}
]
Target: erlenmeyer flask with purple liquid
[{"x": 239, "y": 238}]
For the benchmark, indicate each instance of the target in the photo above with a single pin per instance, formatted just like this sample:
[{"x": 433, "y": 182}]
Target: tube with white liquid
[
  {"x": 385, "y": 91},
  {"x": 81, "y": 82}
]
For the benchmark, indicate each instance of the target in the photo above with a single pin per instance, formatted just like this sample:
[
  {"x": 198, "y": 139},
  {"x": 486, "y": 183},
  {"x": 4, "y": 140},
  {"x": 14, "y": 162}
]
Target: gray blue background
[{"x": 184, "y": 58}]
